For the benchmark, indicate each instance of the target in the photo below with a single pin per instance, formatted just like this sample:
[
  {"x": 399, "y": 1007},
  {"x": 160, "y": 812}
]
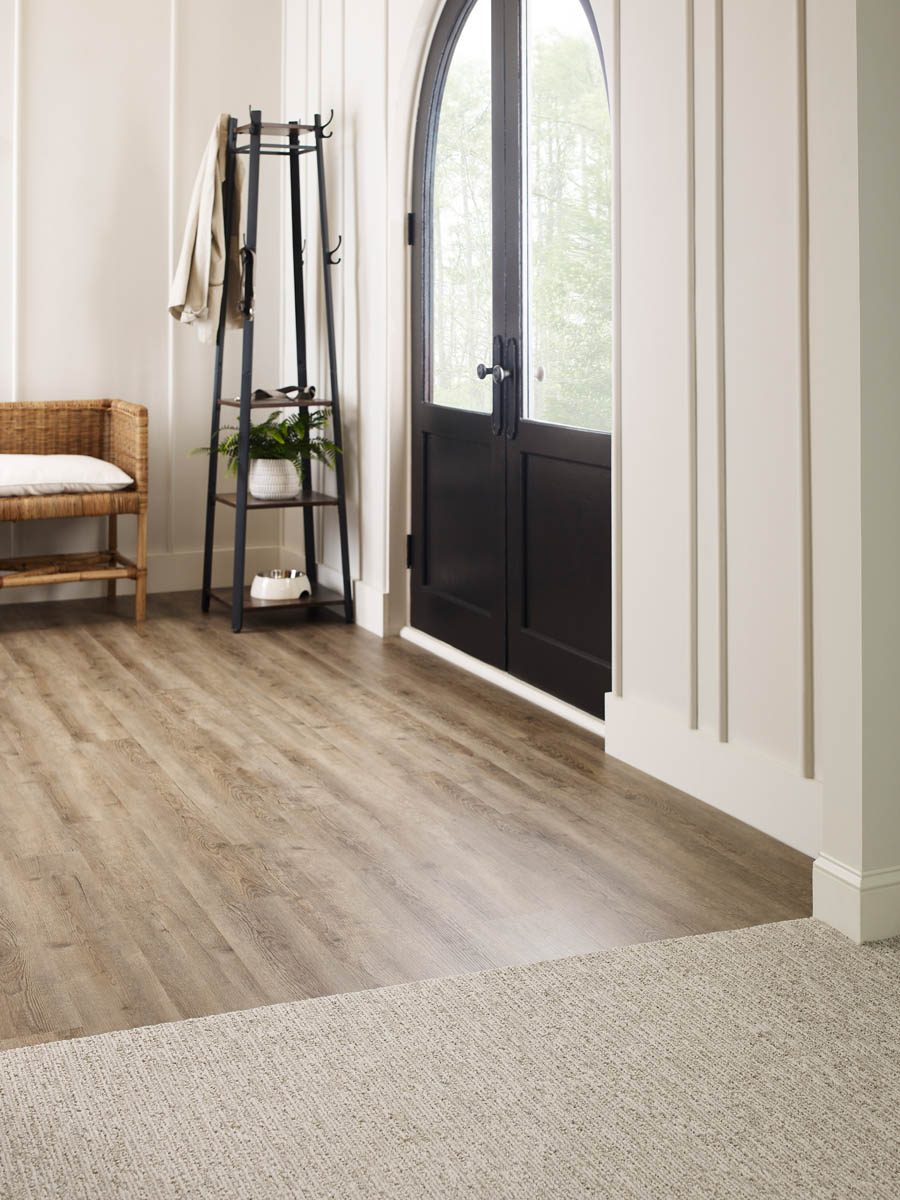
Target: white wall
[
  {"x": 856, "y": 310},
  {"x": 717, "y": 676},
  {"x": 715, "y": 672},
  {"x": 755, "y": 492},
  {"x": 114, "y": 105},
  {"x": 362, "y": 59}
]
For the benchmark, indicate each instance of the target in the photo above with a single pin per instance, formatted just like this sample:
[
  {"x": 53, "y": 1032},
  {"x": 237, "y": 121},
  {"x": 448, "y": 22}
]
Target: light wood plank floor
[{"x": 193, "y": 822}]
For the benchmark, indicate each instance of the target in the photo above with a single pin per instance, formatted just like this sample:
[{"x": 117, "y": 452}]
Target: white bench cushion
[{"x": 50, "y": 474}]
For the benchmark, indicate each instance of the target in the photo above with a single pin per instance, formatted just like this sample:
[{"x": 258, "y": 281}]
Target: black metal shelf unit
[{"x": 307, "y": 499}]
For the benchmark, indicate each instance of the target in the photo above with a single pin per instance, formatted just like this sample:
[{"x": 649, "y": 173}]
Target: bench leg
[
  {"x": 140, "y": 594},
  {"x": 113, "y": 547}
]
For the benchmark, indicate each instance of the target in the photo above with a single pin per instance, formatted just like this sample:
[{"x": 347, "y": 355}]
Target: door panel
[
  {"x": 560, "y": 626},
  {"x": 458, "y": 590},
  {"x": 459, "y": 535},
  {"x": 511, "y": 464}
]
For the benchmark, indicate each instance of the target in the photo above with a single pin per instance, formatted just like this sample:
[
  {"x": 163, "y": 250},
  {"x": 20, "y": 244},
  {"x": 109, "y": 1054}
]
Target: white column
[{"x": 855, "y": 318}]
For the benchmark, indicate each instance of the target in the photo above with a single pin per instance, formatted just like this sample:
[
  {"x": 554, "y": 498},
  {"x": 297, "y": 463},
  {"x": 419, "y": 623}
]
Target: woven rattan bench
[{"x": 114, "y": 430}]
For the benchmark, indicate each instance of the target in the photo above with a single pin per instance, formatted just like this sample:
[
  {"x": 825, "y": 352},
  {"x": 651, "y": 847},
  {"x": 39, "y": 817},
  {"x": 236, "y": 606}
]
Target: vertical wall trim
[
  {"x": 286, "y": 240},
  {"x": 808, "y": 715},
  {"x": 319, "y": 513},
  {"x": 693, "y": 534},
  {"x": 617, "y": 353},
  {"x": 170, "y": 324},
  {"x": 16, "y": 232},
  {"x": 388, "y": 243},
  {"x": 721, "y": 443}
]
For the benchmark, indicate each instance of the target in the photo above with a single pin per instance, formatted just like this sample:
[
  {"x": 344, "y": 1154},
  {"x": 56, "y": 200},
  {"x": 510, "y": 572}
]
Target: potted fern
[{"x": 277, "y": 447}]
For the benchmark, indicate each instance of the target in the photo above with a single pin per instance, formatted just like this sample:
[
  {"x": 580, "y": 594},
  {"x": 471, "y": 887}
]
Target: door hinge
[
  {"x": 409, "y": 550},
  {"x": 410, "y": 229}
]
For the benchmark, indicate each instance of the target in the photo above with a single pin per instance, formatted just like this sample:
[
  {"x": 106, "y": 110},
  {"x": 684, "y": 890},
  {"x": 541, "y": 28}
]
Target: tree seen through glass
[{"x": 567, "y": 221}]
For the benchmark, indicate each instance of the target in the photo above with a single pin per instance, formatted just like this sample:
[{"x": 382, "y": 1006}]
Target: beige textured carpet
[{"x": 761, "y": 1063}]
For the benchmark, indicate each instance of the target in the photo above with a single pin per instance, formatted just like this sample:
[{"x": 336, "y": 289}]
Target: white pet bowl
[{"x": 280, "y": 585}]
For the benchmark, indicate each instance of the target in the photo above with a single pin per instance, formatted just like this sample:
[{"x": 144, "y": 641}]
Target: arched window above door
[
  {"x": 567, "y": 217},
  {"x": 460, "y": 211}
]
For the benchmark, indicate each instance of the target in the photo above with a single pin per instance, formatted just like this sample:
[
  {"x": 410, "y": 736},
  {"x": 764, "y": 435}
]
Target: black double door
[{"x": 511, "y": 549}]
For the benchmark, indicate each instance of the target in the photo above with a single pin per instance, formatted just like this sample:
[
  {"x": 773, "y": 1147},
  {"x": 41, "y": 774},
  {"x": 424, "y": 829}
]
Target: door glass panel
[
  {"x": 462, "y": 322},
  {"x": 567, "y": 209}
]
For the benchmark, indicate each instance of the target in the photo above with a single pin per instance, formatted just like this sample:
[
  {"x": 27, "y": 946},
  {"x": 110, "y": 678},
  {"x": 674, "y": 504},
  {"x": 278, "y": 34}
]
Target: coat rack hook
[
  {"x": 325, "y": 126},
  {"x": 332, "y": 261}
]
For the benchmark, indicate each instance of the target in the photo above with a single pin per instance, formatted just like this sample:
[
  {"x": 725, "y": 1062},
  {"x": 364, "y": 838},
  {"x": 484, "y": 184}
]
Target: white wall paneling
[
  {"x": 737, "y": 494},
  {"x": 364, "y": 60},
  {"x": 318, "y": 56},
  {"x": 711, "y": 580},
  {"x": 755, "y": 428},
  {"x": 717, "y": 662},
  {"x": 763, "y": 356},
  {"x": 711, "y": 596},
  {"x": 854, "y": 94},
  {"x": 10, "y": 29},
  {"x": 655, "y": 471},
  {"x": 115, "y": 103},
  {"x": 835, "y": 433},
  {"x": 221, "y": 62},
  {"x": 807, "y": 697},
  {"x": 720, "y": 408},
  {"x": 691, "y": 277}
]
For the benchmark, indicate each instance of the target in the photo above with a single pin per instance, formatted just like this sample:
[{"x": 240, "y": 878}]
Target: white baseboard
[
  {"x": 758, "y": 790},
  {"x": 370, "y": 608},
  {"x": 864, "y": 905},
  {"x": 369, "y": 605},
  {"x": 502, "y": 679}
]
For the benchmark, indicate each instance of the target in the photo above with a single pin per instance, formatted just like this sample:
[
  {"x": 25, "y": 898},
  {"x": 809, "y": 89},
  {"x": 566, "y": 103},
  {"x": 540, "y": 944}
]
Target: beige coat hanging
[{"x": 195, "y": 296}]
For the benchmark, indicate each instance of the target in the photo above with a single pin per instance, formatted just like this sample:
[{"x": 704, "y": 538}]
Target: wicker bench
[{"x": 114, "y": 430}]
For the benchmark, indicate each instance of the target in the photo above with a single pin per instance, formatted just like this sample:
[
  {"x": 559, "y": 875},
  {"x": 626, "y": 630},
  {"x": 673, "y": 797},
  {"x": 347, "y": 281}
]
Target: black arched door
[{"x": 512, "y": 338}]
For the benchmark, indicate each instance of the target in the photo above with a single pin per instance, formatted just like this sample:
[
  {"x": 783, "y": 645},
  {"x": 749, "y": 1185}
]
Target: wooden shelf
[
  {"x": 304, "y": 402},
  {"x": 301, "y": 500},
  {"x": 288, "y": 139},
  {"x": 278, "y": 128},
  {"x": 320, "y": 597}
]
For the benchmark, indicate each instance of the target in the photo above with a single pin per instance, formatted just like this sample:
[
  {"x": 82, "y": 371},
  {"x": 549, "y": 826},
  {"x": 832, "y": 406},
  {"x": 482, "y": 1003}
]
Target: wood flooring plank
[
  {"x": 34, "y": 996},
  {"x": 107, "y": 980},
  {"x": 192, "y": 822}
]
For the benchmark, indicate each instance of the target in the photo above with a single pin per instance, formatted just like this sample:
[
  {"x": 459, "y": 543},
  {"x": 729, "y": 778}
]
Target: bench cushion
[{"x": 53, "y": 474}]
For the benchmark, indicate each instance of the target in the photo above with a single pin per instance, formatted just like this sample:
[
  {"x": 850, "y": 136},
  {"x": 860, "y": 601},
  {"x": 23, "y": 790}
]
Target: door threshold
[{"x": 504, "y": 680}]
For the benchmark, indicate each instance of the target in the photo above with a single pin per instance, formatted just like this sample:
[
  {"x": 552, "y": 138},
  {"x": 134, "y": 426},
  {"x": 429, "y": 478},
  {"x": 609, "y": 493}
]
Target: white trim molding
[
  {"x": 616, "y": 497},
  {"x": 864, "y": 905},
  {"x": 759, "y": 790},
  {"x": 807, "y": 689},
  {"x": 504, "y": 680},
  {"x": 370, "y": 605}
]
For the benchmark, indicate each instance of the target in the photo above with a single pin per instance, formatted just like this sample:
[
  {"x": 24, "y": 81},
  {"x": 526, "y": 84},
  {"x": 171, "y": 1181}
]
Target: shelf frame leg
[
  {"x": 327, "y": 265},
  {"x": 309, "y": 524},
  {"x": 212, "y": 477},
  {"x": 240, "y": 516}
]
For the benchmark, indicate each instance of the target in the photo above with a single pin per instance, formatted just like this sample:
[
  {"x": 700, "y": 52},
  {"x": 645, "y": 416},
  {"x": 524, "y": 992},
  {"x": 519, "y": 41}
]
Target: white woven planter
[{"x": 273, "y": 479}]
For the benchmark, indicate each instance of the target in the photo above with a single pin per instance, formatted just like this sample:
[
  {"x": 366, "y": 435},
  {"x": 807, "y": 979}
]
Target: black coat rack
[{"x": 288, "y": 145}]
